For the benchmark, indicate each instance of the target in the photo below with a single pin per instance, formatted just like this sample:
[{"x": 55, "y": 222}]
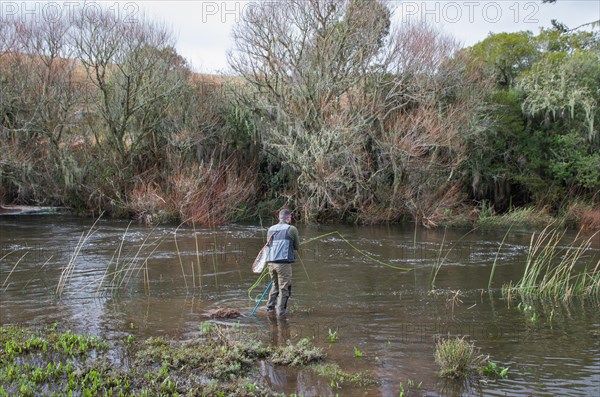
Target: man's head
[{"x": 285, "y": 215}]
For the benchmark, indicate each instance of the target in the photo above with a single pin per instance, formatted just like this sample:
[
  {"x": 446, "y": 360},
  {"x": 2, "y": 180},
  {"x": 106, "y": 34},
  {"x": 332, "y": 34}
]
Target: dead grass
[
  {"x": 149, "y": 202},
  {"x": 585, "y": 217},
  {"x": 206, "y": 195},
  {"x": 211, "y": 195},
  {"x": 224, "y": 313}
]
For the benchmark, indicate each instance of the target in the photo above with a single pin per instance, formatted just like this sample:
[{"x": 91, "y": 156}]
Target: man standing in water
[{"x": 283, "y": 239}]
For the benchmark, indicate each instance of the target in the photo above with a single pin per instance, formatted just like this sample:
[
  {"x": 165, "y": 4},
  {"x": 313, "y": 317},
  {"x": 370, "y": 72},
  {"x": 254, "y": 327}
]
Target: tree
[
  {"x": 137, "y": 74},
  {"x": 39, "y": 105},
  {"x": 307, "y": 62},
  {"x": 357, "y": 118},
  {"x": 506, "y": 55},
  {"x": 592, "y": 24},
  {"x": 544, "y": 138}
]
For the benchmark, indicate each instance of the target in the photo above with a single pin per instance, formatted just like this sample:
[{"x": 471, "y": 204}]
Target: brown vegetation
[
  {"x": 377, "y": 137},
  {"x": 334, "y": 111},
  {"x": 102, "y": 115},
  {"x": 224, "y": 313},
  {"x": 585, "y": 217}
]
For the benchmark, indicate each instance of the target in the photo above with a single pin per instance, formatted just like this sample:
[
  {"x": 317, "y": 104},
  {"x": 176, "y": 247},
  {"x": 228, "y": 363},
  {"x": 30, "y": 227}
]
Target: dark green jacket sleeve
[{"x": 293, "y": 233}]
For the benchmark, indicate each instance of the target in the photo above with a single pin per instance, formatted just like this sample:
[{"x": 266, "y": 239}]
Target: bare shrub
[{"x": 211, "y": 194}]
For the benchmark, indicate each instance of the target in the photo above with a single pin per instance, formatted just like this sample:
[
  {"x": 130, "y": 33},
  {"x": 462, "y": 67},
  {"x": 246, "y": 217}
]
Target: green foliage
[
  {"x": 543, "y": 141},
  {"x": 572, "y": 164},
  {"x": 409, "y": 389},
  {"x": 506, "y": 55},
  {"x": 554, "y": 272},
  {"x": 493, "y": 370},
  {"x": 562, "y": 89},
  {"x": 525, "y": 217},
  {"x": 332, "y": 336},
  {"x": 334, "y": 373}
]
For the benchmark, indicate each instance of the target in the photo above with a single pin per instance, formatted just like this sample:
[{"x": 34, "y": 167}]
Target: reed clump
[
  {"x": 556, "y": 271},
  {"x": 459, "y": 358}
]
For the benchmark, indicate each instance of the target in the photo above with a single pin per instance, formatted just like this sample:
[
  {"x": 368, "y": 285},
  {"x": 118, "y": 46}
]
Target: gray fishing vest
[{"x": 281, "y": 246}]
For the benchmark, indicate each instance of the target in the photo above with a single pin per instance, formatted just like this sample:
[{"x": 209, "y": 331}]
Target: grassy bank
[
  {"x": 578, "y": 215},
  {"x": 51, "y": 361}
]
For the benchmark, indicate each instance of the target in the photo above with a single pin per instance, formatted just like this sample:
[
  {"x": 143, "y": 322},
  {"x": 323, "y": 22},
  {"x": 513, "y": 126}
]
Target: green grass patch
[
  {"x": 528, "y": 218},
  {"x": 299, "y": 354},
  {"x": 460, "y": 359},
  {"x": 220, "y": 362},
  {"x": 557, "y": 269}
]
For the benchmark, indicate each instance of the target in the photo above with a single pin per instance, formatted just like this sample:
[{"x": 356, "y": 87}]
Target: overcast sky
[{"x": 203, "y": 28}]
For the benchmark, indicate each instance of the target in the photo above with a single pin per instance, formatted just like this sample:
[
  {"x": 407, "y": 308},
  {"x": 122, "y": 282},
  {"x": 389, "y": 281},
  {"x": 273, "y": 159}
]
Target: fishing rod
[{"x": 264, "y": 273}]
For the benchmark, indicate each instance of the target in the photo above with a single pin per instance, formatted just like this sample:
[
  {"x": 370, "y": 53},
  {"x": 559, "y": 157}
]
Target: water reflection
[
  {"x": 280, "y": 330},
  {"x": 305, "y": 382}
]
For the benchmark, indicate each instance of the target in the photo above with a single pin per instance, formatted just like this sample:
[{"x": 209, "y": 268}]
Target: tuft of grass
[
  {"x": 357, "y": 353},
  {"x": 519, "y": 217},
  {"x": 551, "y": 271},
  {"x": 332, "y": 336},
  {"x": 458, "y": 358},
  {"x": 409, "y": 388}
]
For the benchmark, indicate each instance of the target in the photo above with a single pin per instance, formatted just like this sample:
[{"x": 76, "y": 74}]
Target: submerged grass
[
  {"x": 13, "y": 268},
  {"x": 557, "y": 272},
  {"x": 496, "y": 258},
  {"x": 435, "y": 269},
  {"x": 336, "y": 376},
  {"x": 68, "y": 270}
]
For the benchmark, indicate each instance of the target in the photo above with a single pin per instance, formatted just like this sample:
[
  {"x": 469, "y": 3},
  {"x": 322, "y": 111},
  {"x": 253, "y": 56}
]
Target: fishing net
[{"x": 261, "y": 259}]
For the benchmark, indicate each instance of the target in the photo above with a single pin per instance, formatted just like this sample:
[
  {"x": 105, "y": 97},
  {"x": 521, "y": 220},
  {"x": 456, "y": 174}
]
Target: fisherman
[{"x": 282, "y": 239}]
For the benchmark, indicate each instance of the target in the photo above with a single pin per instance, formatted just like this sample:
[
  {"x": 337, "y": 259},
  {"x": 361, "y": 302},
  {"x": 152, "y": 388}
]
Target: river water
[{"x": 127, "y": 278}]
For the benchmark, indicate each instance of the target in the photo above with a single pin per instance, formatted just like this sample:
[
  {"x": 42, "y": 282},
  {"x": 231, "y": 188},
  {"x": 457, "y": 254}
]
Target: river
[{"x": 118, "y": 278}]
